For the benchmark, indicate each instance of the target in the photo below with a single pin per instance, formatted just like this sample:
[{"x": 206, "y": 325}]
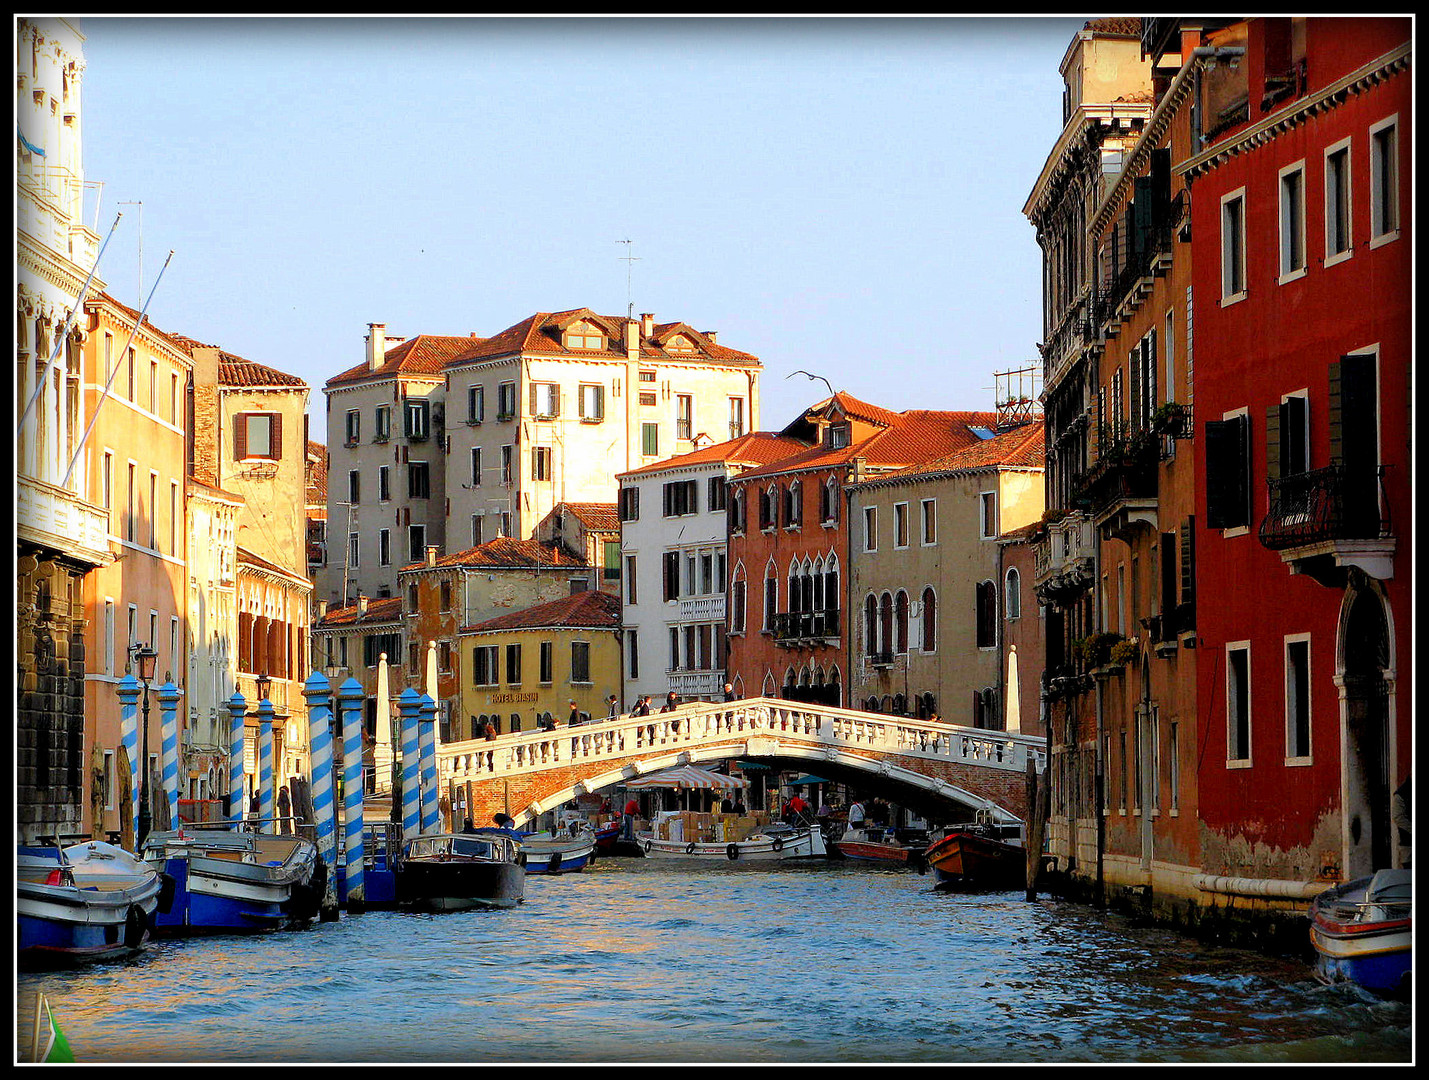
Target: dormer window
[
  {"x": 680, "y": 344},
  {"x": 584, "y": 336},
  {"x": 838, "y": 436}
]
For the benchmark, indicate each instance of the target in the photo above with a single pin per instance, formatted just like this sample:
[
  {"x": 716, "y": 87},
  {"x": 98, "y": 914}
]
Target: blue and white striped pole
[
  {"x": 265, "y": 766},
  {"x": 427, "y": 753},
  {"x": 169, "y": 748},
  {"x": 318, "y": 692},
  {"x": 129, "y": 691},
  {"x": 237, "y": 711},
  {"x": 350, "y": 698},
  {"x": 409, "y": 704}
]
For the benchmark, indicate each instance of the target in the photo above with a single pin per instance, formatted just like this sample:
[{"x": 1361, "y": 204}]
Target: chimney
[
  {"x": 322, "y": 610},
  {"x": 632, "y": 341},
  {"x": 647, "y": 324},
  {"x": 361, "y": 606},
  {"x": 376, "y": 345},
  {"x": 711, "y": 335},
  {"x": 431, "y": 554}
]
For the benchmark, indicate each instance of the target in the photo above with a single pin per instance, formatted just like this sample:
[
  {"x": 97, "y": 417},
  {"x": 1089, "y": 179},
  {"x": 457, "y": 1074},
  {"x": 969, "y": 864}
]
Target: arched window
[
  {"x": 794, "y": 504},
  {"x": 1012, "y": 594},
  {"x": 771, "y": 595},
  {"x": 829, "y": 502},
  {"x": 900, "y": 622},
  {"x": 736, "y": 511},
  {"x": 930, "y": 619},
  {"x": 870, "y": 625},
  {"x": 831, "y": 584},
  {"x": 885, "y": 623},
  {"x": 986, "y": 614},
  {"x": 871, "y": 705},
  {"x": 899, "y": 707}
]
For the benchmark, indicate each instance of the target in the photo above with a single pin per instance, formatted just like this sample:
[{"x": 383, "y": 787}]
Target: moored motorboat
[
  {"x": 83, "y": 903},
  {"x": 973, "y": 858},
  {"x": 461, "y": 871},
  {"x": 231, "y": 881},
  {"x": 872, "y": 846},
  {"x": 1363, "y": 933},
  {"x": 565, "y": 851},
  {"x": 774, "y": 843},
  {"x": 606, "y": 837}
]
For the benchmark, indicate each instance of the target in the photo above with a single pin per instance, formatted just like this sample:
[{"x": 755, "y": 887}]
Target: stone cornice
[
  {"x": 1084, "y": 120},
  {"x": 1356, "y": 82},
  {"x": 1151, "y": 134}
]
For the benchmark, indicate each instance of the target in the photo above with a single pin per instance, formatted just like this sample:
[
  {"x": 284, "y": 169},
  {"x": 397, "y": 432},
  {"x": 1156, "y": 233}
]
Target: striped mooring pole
[
  {"x": 129, "y": 735},
  {"x": 318, "y": 692},
  {"x": 409, "y": 704},
  {"x": 169, "y": 753},
  {"x": 350, "y": 697},
  {"x": 237, "y": 712},
  {"x": 265, "y": 767},
  {"x": 427, "y": 753}
]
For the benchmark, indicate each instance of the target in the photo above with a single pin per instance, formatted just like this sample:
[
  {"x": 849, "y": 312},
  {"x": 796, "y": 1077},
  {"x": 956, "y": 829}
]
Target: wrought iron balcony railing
[
  {"x": 1323, "y": 505},
  {"x": 791, "y": 626}
]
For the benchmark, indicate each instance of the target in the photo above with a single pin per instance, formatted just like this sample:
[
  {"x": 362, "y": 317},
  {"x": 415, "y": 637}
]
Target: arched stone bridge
[{"x": 944, "y": 773}]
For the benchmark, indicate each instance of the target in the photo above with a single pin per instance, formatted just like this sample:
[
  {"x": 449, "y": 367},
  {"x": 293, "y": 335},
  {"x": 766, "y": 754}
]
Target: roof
[
  {"x": 596, "y": 517},
  {"x": 590, "y": 610},
  {"x": 757, "y": 448},
  {"x": 248, "y": 558},
  {"x": 506, "y": 552},
  {"x": 175, "y": 341},
  {"x": 1022, "y": 447},
  {"x": 234, "y": 370},
  {"x": 425, "y": 354},
  {"x": 543, "y": 332},
  {"x": 316, "y": 473},
  {"x": 901, "y": 439},
  {"x": 381, "y": 609}
]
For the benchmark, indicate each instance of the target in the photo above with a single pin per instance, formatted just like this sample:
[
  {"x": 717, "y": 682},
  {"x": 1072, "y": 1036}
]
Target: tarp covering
[{"x": 687, "y": 777}]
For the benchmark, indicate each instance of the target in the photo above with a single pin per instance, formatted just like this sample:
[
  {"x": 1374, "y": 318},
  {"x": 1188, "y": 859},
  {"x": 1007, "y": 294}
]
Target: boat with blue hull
[
  {"x": 82, "y": 903},
  {"x": 1363, "y": 933},
  {"x": 565, "y": 851},
  {"x": 231, "y": 881}
]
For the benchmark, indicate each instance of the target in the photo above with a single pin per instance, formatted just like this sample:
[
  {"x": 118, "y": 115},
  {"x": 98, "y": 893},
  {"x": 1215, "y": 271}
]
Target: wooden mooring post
[{"x": 1038, "y": 803}]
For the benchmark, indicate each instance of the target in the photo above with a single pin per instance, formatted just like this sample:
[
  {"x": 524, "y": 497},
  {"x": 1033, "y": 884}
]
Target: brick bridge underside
[{"x": 941, "y": 791}]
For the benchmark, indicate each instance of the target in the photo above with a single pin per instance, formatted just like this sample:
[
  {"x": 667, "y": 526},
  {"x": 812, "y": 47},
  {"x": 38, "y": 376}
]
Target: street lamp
[
  {"x": 145, "y": 657},
  {"x": 263, "y": 682}
]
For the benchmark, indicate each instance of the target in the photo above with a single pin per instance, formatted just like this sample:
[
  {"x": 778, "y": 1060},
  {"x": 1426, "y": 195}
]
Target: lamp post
[{"x": 145, "y": 657}]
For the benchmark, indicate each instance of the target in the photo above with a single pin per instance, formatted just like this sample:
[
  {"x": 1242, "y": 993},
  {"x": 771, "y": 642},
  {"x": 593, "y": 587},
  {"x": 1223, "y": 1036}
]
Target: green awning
[
  {"x": 809, "y": 780},
  {"x": 750, "y": 766}
]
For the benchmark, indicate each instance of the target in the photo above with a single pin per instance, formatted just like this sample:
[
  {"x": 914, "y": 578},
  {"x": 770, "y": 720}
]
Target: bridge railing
[{"x": 706, "y": 723}]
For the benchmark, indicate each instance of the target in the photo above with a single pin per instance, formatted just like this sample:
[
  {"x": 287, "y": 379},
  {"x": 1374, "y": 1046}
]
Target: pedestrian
[
  {"x": 612, "y": 707},
  {"x": 739, "y": 805},
  {"x": 797, "y": 810},
  {"x": 729, "y": 694},
  {"x": 672, "y": 702},
  {"x": 503, "y": 821},
  {"x": 490, "y": 732},
  {"x": 856, "y": 815},
  {"x": 726, "y": 805},
  {"x": 628, "y": 819},
  {"x": 466, "y": 825},
  {"x": 575, "y": 717}
]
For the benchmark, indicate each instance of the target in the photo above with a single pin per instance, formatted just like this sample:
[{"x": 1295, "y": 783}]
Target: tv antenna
[{"x": 629, "y": 260}]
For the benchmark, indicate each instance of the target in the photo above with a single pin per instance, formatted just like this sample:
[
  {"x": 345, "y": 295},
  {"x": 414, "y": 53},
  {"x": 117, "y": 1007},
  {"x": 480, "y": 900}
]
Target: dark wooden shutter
[
  {"x": 1294, "y": 438},
  {"x": 1188, "y": 573},
  {"x": 1168, "y": 586},
  {"x": 240, "y": 436},
  {"x": 277, "y": 422},
  {"x": 1148, "y": 360},
  {"x": 1274, "y": 415},
  {"x": 1142, "y": 214},
  {"x": 1134, "y": 364},
  {"x": 1226, "y": 473},
  {"x": 1354, "y": 441}
]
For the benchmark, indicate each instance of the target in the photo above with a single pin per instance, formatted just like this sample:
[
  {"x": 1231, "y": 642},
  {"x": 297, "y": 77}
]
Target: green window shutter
[
  {"x": 1274, "y": 415},
  {"x": 1188, "y": 568}
]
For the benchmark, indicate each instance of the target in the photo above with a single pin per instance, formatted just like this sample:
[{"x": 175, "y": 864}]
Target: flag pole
[
  {"x": 64, "y": 330},
  {"x": 79, "y": 446}
]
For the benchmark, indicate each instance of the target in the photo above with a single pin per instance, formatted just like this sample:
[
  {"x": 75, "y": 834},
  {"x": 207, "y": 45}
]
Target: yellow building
[{"x": 527, "y": 665}]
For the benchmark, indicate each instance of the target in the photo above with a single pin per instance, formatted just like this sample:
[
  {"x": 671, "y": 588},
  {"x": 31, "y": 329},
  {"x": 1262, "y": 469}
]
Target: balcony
[
  {"x": 805, "y": 627},
  {"x": 1065, "y": 559},
  {"x": 697, "y": 684},
  {"x": 1120, "y": 490},
  {"x": 1328, "y": 518},
  {"x": 1131, "y": 283},
  {"x": 702, "y": 608},
  {"x": 56, "y": 518}
]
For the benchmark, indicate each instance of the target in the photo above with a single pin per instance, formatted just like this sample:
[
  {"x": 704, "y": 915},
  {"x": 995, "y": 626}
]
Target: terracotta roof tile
[
  {"x": 507, "y": 552},
  {"x": 380, "y": 609},
  {"x": 1021, "y": 447},
  {"x": 234, "y": 370},
  {"x": 584, "y": 610},
  {"x": 597, "y": 517},
  {"x": 425, "y": 354},
  {"x": 542, "y": 332},
  {"x": 757, "y": 448},
  {"x": 317, "y": 473}
]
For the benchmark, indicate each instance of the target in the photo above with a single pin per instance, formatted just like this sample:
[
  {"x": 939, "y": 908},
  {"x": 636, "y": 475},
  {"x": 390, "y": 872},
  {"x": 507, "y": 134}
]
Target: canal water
[{"x": 645, "y": 961}]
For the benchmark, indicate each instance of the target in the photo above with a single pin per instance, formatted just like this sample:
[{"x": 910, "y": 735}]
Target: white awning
[{"x": 687, "y": 776}]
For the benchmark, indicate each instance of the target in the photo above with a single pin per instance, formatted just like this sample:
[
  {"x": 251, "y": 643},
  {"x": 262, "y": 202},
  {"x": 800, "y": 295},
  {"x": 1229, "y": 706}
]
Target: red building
[{"x": 1300, "y": 181}]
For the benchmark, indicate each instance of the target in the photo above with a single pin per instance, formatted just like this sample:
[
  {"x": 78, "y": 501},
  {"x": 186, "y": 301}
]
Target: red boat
[
  {"x": 969, "y": 858},
  {"x": 871, "y": 847}
]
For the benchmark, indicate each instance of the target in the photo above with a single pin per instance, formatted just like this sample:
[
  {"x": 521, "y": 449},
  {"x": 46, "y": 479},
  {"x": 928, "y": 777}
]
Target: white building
[{"x": 673, "y": 530}]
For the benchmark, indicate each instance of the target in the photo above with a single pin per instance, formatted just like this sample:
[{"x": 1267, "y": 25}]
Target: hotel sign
[{"x": 512, "y": 699}]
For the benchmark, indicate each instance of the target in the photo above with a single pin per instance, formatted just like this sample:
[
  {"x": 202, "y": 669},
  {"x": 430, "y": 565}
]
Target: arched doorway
[{"x": 1364, "y": 660}]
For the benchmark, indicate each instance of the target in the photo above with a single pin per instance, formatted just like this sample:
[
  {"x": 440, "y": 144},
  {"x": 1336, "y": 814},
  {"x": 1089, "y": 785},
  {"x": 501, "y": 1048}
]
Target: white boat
[
  {"x": 87, "y": 902},
  {"x": 228, "y": 880},
  {"x": 773, "y": 844},
  {"x": 565, "y": 851},
  {"x": 1363, "y": 932}
]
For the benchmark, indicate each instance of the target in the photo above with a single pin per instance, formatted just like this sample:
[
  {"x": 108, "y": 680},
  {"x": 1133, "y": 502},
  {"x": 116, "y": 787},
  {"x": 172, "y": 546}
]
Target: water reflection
[{"x": 648, "y": 962}]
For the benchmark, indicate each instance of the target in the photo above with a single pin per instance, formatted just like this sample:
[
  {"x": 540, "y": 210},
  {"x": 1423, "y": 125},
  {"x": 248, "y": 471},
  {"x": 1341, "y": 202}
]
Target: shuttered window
[
  {"x": 1228, "y": 473},
  {"x": 258, "y": 435}
]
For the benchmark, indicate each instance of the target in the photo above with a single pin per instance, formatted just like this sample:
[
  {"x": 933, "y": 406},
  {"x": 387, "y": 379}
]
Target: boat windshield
[{"x": 479, "y": 849}]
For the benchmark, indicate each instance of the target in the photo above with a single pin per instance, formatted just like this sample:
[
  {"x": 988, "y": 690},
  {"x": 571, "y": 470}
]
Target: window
[
  {"x": 475, "y": 404},
  {"x": 1337, "y": 203},
  {"x": 630, "y": 580},
  {"x": 611, "y": 569},
  {"x": 132, "y": 362},
  {"x": 476, "y": 522},
  {"x": 647, "y": 376},
  {"x": 418, "y": 480},
  {"x": 540, "y": 463},
  {"x": 506, "y": 464},
  {"x": 900, "y": 622},
  {"x": 504, "y": 529},
  {"x": 650, "y": 440},
  {"x": 583, "y": 336},
  {"x": 1012, "y": 594},
  {"x": 684, "y": 416},
  {"x": 591, "y": 402},
  {"x": 384, "y": 483},
  {"x": 416, "y": 542},
  {"x": 794, "y": 504},
  {"x": 173, "y": 399},
  {"x": 838, "y": 436},
  {"x": 930, "y": 620},
  {"x": 736, "y": 603},
  {"x": 870, "y": 528},
  {"x": 545, "y": 400},
  {"x": 131, "y": 516},
  {"x": 870, "y": 625},
  {"x": 1238, "y": 702},
  {"x": 1173, "y": 771},
  {"x": 987, "y": 514},
  {"x": 415, "y": 420},
  {"x": 153, "y": 512},
  {"x": 483, "y": 665},
  {"x": 900, "y": 525},
  {"x": 771, "y": 598},
  {"x": 1233, "y": 246},
  {"x": 1384, "y": 181},
  {"x": 1287, "y": 437},
  {"x": 681, "y": 497},
  {"x": 383, "y": 423},
  {"x": 1228, "y": 472},
  {"x": 384, "y": 547},
  {"x": 718, "y": 494},
  {"x": 632, "y": 651},
  {"x": 476, "y": 466},
  {"x": 828, "y": 502},
  {"x": 580, "y": 661},
  {"x": 354, "y": 427},
  {"x": 670, "y": 565},
  {"x": 1292, "y": 221},
  {"x": 258, "y": 435},
  {"x": 930, "y": 521},
  {"x": 354, "y": 487},
  {"x": 649, "y": 400},
  {"x": 629, "y": 504},
  {"x": 505, "y": 401},
  {"x": 736, "y": 417},
  {"x": 546, "y": 660},
  {"x": 173, "y": 518},
  {"x": 513, "y": 664},
  {"x": 986, "y": 615},
  {"x": 352, "y": 560},
  {"x": 1297, "y": 697}
]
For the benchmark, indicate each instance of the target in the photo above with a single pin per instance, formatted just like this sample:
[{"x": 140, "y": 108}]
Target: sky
[{"x": 836, "y": 196}]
